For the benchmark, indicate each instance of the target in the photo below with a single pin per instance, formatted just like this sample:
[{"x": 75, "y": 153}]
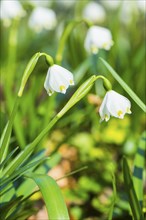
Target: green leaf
[
  {"x": 8, "y": 158},
  {"x": 134, "y": 204},
  {"x": 139, "y": 163},
  {"x": 52, "y": 196},
  {"x": 19, "y": 172},
  {"x": 7, "y": 207},
  {"x": 125, "y": 86},
  {"x": 23, "y": 155},
  {"x": 4, "y": 143},
  {"x": 81, "y": 70}
]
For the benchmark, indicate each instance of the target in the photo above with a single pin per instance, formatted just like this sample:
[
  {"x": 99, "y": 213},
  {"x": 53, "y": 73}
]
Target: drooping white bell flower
[
  {"x": 94, "y": 12},
  {"x": 98, "y": 38},
  {"x": 42, "y": 18},
  {"x": 115, "y": 105},
  {"x": 11, "y": 9},
  {"x": 58, "y": 79}
]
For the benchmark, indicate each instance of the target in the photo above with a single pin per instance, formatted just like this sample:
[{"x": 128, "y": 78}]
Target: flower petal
[
  {"x": 98, "y": 38},
  {"x": 58, "y": 79},
  {"x": 115, "y": 105}
]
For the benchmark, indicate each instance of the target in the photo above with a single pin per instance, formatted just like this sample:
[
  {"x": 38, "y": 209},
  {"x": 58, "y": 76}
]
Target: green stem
[
  {"x": 49, "y": 59},
  {"x": 12, "y": 51},
  {"x": 65, "y": 35},
  {"x": 82, "y": 91},
  {"x": 72, "y": 173}
]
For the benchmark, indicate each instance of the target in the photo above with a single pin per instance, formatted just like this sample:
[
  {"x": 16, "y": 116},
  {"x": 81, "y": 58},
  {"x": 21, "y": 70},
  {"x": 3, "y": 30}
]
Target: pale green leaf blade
[
  {"x": 52, "y": 196},
  {"x": 134, "y": 204},
  {"x": 19, "y": 172},
  {"x": 81, "y": 70},
  {"x": 8, "y": 157},
  {"x": 139, "y": 163}
]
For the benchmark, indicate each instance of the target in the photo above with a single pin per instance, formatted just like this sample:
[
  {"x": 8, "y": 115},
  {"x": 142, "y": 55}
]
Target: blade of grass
[
  {"x": 21, "y": 171},
  {"x": 23, "y": 155},
  {"x": 52, "y": 196},
  {"x": 8, "y": 157},
  {"x": 133, "y": 201},
  {"x": 6, "y": 207},
  {"x": 125, "y": 86},
  {"x": 110, "y": 217}
]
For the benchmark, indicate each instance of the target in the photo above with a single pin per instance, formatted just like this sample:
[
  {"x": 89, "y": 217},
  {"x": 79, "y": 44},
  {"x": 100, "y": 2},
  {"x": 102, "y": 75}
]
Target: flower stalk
[
  {"x": 82, "y": 91},
  {"x": 30, "y": 67},
  {"x": 69, "y": 28}
]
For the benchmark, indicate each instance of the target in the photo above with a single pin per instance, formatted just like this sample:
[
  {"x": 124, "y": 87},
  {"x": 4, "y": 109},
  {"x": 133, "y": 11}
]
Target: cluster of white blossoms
[
  {"x": 58, "y": 79},
  {"x": 98, "y": 38}
]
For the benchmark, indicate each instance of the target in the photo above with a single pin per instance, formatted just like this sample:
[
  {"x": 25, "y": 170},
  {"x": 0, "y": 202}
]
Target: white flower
[
  {"x": 94, "y": 12},
  {"x": 128, "y": 11},
  {"x": 11, "y": 9},
  {"x": 115, "y": 105},
  {"x": 141, "y": 5},
  {"x": 111, "y": 4},
  {"x": 58, "y": 79},
  {"x": 98, "y": 38},
  {"x": 42, "y": 18}
]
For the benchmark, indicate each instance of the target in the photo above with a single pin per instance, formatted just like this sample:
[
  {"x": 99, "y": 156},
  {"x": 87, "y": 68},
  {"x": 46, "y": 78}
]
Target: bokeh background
[{"x": 78, "y": 139}]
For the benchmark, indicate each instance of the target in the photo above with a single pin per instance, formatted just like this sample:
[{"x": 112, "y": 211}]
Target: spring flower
[
  {"x": 115, "y": 105},
  {"x": 42, "y": 18},
  {"x": 141, "y": 5},
  {"x": 98, "y": 38},
  {"x": 94, "y": 12},
  {"x": 58, "y": 79},
  {"x": 110, "y": 4},
  {"x": 9, "y": 10},
  {"x": 128, "y": 11}
]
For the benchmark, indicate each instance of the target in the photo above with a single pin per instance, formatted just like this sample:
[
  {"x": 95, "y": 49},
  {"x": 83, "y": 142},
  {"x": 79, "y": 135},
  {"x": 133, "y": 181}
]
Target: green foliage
[
  {"x": 134, "y": 204},
  {"x": 55, "y": 205}
]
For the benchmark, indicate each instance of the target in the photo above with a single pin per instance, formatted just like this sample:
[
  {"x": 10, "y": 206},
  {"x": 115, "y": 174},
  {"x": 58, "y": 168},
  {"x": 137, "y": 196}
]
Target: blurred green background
[{"x": 78, "y": 139}]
